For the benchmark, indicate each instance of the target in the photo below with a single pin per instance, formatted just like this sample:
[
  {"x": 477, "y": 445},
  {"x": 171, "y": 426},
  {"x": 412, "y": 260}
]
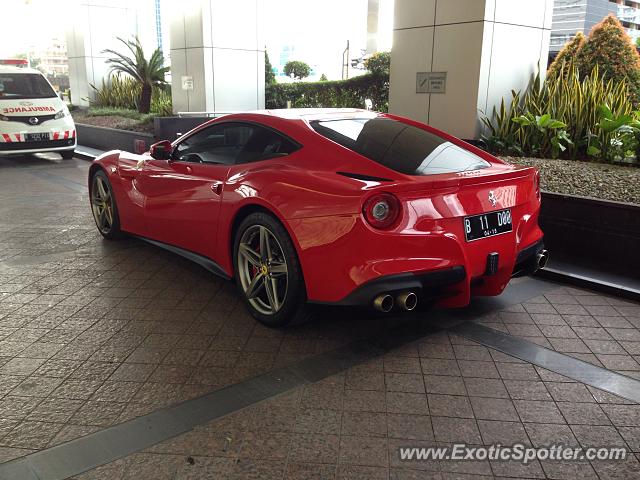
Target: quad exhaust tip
[
  {"x": 383, "y": 303},
  {"x": 541, "y": 259},
  {"x": 407, "y": 301}
]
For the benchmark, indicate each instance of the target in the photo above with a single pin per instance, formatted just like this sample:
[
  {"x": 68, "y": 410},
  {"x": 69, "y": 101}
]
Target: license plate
[
  {"x": 36, "y": 137},
  {"x": 487, "y": 225}
]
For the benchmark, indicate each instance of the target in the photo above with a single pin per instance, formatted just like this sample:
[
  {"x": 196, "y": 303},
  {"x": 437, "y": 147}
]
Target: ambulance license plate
[{"x": 36, "y": 137}]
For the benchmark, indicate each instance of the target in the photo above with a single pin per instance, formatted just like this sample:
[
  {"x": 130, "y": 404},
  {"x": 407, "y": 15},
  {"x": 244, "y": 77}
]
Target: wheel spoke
[
  {"x": 108, "y": 215},
  {"x": 250, "y": 255},
  {"x": 269, "y": 285},
  {"x": 278, "y": 268},
  {"x": 255, "y": 286},
  {"x": 101, "y": 189},
  {"x": 265, "y": 245}
]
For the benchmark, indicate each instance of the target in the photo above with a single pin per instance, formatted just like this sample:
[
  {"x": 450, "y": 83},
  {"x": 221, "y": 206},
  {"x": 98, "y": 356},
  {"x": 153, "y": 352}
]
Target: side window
[
  {"x": 265, "y": 144},
  {"x": 218, "y": 144}
]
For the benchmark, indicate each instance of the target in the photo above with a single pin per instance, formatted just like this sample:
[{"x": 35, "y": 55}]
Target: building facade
[{"x": 571, "y": 16}]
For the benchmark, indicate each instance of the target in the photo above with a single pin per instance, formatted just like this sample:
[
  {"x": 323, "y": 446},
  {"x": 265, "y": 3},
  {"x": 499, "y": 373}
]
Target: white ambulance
[{"x": 32, "y": 116}]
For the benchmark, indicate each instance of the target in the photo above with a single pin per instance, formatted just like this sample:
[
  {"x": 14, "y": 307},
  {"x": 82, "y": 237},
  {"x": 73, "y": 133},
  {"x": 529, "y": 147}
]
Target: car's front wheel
[
  {"x": 103, "y": 206},
  {"x": 267, "y": 271}
]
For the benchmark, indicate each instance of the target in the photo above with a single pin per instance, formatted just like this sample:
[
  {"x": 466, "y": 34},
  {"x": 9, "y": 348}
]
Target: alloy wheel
[
  {"x": 102, "y": 204},
  {"x": 262, "y": 268}
]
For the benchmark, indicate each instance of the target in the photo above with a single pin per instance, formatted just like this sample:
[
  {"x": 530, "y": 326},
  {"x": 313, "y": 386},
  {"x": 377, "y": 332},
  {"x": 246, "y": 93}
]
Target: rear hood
[
  {"x": 28, "y": 108},
  {"x": 467, "y": 193}
]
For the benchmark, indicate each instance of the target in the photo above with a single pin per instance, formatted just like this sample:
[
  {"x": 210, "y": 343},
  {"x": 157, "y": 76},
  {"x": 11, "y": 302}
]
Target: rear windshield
[
  {"x": 24, "y": 85},
  {"x": 399, "y": 146}
]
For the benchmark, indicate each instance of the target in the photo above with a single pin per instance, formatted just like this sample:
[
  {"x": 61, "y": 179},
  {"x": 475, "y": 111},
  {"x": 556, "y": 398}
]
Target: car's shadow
[{"x": 30, "y": 160}]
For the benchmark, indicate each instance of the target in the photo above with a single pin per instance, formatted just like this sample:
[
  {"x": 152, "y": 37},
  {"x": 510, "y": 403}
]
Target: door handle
[{"x": 216, "y": 188}]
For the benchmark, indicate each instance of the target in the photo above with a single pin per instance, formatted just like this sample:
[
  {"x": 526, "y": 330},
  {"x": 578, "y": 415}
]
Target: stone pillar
[
  {"x": 217, "y": 56},
  {"x": 373, "y": 11},
  {"x": 486, "y": 48},
  {"x": 93, "y": 27}
]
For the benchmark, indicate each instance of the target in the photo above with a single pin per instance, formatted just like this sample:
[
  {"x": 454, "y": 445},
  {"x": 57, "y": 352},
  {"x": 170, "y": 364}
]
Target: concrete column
[
  {"x": 94, "y": 26},
  {"x": 217, "y": 55},
  {"x": 373, "y": 12},
  {"x": 485, "y": 47}
]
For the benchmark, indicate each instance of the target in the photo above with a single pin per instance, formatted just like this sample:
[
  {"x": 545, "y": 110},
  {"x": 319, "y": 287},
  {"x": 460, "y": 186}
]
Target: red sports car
[{"x": 328, "y": 206}]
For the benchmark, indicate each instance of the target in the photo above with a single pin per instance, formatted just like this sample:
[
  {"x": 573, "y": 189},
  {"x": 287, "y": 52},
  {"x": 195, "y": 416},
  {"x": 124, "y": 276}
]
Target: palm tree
[{"x": 148, "y": 73}]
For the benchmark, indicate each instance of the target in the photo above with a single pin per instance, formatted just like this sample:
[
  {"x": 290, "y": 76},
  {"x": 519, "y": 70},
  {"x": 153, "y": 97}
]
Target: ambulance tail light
[{"x": 61, "y": 114}]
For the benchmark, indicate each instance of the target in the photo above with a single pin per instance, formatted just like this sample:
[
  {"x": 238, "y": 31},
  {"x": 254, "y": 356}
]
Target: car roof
[
  {"x": 11, "y": 69},
  {"x": 310, "y": 114}
]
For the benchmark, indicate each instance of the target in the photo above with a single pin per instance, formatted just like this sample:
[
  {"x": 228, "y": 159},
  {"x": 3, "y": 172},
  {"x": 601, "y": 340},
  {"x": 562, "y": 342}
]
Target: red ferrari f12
[{"x": 328, "y": 206}]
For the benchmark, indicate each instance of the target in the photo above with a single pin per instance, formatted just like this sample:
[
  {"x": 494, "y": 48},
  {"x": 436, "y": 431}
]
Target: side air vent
[{"x": 365, "y": 178}]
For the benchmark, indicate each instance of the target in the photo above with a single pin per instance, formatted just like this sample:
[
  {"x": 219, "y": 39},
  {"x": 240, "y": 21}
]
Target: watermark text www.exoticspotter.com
[{"x": 517, "y": 453}]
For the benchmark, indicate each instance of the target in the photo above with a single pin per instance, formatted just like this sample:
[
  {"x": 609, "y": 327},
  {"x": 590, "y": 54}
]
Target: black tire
[
  {"x": 67, "y": 154},
  {"x": 111, "y": 230},
  {"x": 293, "y": 308}
]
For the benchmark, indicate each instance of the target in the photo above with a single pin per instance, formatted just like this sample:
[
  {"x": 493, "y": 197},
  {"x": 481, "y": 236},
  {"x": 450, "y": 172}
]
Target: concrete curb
[{"x": 590, "y": 283}]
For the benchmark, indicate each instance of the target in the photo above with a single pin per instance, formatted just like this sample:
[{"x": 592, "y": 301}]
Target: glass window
[
  {"x": 265, "y": 144},
  {"x": 219, "y": 144},
  {"x": 399, "y": 146},
  {"x": 233, "y": 143},
  {"x": 24, "y": 85}
]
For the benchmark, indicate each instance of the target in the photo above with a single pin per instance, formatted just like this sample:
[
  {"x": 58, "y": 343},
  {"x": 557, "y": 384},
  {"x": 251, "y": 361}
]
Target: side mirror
[{"x": 161, "y": 150}]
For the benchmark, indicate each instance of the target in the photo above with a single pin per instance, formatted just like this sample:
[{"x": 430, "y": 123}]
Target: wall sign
[
  {"x": 187, "y": 83},
  {"x": 431, "y": 82}
]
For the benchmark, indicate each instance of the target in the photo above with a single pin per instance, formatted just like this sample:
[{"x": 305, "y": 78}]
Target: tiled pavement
[{"x": 93, "y": 333}]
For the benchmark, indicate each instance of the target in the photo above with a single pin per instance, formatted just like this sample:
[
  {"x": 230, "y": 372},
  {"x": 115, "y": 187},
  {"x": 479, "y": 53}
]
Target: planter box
[
  {"x": 592, "y": 229},
  {"x": 103, "y": 138},
  {"x": 170, "y": 128}
]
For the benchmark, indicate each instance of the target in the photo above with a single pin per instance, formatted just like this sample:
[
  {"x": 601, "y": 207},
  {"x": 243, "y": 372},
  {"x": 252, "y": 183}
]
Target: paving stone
[
  {"x": 449, "y": 406},
  {"x": 485, "y": 387},
  {"x": 493, "y": 409},
  {"x": 456, "y": 430},
  {"x": 538, "y": 411}
]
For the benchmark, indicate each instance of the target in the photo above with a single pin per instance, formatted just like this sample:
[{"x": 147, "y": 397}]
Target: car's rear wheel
[
  {"x": 67, "y": 154},
  {"x": 267, "y": 271},
  {"x": 103, "y": 206}
]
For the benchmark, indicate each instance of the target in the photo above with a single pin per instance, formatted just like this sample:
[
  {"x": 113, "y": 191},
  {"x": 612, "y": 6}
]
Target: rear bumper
[
  {"x": 445, "y": 283},
  {"x": 424, "y": 284}
]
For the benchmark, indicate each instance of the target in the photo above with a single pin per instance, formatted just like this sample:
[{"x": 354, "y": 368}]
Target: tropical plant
[
  {"x": 569, "y": 99},
  {"x": 566, "y": 58},
  {"x": 148, "y": 73},
  {"x": 379, "y": 63},
  {"x": 297, "y": 69},
  {"x": 122, "y": 92},
  {"x": 617, "y": 138},
  {"x": 546, "y": 135}
]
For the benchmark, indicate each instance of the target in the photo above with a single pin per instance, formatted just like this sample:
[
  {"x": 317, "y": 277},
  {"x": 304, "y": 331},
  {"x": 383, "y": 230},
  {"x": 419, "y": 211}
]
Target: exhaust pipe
[
  {"x": 541, "y": 259},
  {"x": 407, "y": 301},
  {"x": 383, "y": 303}
]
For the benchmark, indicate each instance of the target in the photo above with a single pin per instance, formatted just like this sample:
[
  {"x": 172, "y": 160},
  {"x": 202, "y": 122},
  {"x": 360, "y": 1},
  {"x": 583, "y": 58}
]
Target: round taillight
[{"x": 381, "y": 211}]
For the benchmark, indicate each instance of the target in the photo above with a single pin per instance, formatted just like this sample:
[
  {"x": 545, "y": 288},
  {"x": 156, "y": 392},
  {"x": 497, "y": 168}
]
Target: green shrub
[
  {"x": 379, "y": 63},
  {"x": 610, "y": 48},
  {"x": 349, "y": 93},
  {"x": 120, "y": 112},
  {"x": 567, "y": 57},
  {"x": 563, "y": 116},
  {"x": 123, "y": 92}
]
